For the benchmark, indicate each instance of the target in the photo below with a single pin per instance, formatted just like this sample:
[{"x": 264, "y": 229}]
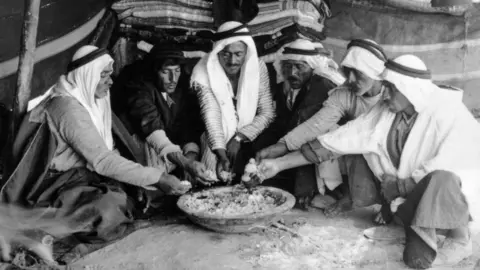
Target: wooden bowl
[{"x": 238, "y": 223}]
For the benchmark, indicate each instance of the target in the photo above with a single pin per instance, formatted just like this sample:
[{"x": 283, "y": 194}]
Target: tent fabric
[
  {"x": 57, "y": 18},
  {"x": 449, "y": 45},
  {"x": 457, "y": 7}
]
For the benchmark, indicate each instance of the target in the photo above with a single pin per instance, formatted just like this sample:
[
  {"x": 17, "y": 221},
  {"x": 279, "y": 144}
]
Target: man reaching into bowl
[
  {"x": 233, "y": 88},
  {"x": 421, "y": 142}
]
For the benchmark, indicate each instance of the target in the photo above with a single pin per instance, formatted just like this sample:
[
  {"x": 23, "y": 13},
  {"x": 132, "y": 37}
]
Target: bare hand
[
  {"x": 223, "y": 165},
  {"x": 233, "y": 147},
  {"x": 389, "y": 187},
  {"x": 198, "y": 173},
  {"x": 171, "y": 185},
  {"x": 273, "y": 151},
  {"x": 267, "y": 169}
]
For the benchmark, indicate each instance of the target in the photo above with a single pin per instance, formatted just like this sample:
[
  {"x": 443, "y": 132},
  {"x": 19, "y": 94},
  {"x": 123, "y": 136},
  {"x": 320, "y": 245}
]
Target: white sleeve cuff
[
  {"x": 160, "y": 142},
  {"x": 191, "y": 147}
]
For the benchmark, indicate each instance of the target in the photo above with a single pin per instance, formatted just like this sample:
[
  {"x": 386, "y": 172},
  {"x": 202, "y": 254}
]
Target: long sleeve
[
  {"x": 143, "y": 110},
  {"x": 212, "y": 117},
  {"x": 265, "y": 111},
  {"x": 334, "y": 108},
  {"x": 359, "y": 136},
  {"x": 74, "y": 125}
]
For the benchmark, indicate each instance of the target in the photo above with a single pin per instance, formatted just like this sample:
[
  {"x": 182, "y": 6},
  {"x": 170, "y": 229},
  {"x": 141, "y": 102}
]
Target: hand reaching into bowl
[{"x": 171, "y": 185}]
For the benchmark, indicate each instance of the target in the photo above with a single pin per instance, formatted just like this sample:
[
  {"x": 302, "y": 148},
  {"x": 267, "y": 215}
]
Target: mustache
[{"x": 293, "y": 78}]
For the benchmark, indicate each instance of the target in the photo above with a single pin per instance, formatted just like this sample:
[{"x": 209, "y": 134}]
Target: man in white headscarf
[
  {"x": 363, "y": 65},
  {"x": 234, "y": 93},
  {"x": 81, "y": 162},
  {"x": 422, "y": 145},
  {"x": 306, "y": 74}
]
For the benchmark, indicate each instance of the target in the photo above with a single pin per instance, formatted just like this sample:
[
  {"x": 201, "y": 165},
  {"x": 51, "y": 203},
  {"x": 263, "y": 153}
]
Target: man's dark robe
[
  {"x": 144, "y": 110},
  {"x": 300, "y": 181}
]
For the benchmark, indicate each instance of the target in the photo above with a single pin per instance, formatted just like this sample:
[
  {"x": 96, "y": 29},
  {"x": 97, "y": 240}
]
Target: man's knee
[
  {"x": 444, "y": 177},
  {"x": 418, "y": 257},
  {"x": 417, "y": 254}
]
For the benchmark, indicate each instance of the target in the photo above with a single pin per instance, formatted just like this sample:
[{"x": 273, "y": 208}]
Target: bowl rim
[{"x": 287, "y": 205}]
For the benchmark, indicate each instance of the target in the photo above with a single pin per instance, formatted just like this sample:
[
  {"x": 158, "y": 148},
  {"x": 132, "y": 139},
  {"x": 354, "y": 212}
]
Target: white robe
[{"x": 445, "y": 136}]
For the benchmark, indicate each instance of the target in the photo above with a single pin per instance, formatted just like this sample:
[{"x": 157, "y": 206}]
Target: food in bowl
[{"x": 235, "y": 202}]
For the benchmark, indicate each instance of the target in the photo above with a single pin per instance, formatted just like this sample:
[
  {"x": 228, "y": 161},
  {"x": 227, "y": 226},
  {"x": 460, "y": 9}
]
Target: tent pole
[
  {"x": 26, "y": 64},
  {"x": 24, "y": 76}
]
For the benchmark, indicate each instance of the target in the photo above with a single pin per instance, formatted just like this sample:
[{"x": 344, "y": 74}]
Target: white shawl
[
  {"x": 81, "y": 84},
  {"x": 322, "y": 65},
  {"x": 209, "y": 73},
  {"x": 445, "y": 136}
]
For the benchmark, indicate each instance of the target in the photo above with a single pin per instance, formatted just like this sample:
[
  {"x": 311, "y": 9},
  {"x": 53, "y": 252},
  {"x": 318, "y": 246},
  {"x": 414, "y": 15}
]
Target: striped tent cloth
[
  {"x": 449, "y": 45},
  {"x": 451, "y": 7}
]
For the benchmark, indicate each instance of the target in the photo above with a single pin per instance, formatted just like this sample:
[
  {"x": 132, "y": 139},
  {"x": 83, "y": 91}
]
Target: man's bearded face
[
  {"x": 297, "y": 73},
  {"x": 357, "y": 81},
  {"x": 232, "y": 57}
]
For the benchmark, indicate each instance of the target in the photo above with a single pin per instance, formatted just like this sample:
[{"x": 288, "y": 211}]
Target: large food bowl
[{"x": 238, "y": 223}]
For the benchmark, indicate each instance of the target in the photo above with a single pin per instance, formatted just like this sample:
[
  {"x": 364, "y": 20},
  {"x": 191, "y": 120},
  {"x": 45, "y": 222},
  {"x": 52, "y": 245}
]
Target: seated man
[
  {"x": 73, "y": 156},
  {"x": 363, "y": 64},
  {"x": 235, "y": 99},
  {"x": 157, "y": 106},
  {"x": 421, "y": 144},
  {"x": 307, "y": 75}
]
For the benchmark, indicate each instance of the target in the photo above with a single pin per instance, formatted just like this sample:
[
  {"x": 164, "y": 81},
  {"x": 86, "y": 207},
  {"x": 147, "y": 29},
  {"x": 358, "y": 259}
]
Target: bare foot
[{"x": 343, "y": 205}]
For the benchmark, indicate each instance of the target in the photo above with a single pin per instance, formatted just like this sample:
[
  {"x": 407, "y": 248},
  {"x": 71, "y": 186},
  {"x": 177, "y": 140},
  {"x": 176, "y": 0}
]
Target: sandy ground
[{"x": 336, "y": 243}]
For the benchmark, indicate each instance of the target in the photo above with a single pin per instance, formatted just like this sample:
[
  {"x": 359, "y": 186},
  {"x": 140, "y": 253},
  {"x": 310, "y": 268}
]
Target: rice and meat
[{"x": 235, "y": 202}]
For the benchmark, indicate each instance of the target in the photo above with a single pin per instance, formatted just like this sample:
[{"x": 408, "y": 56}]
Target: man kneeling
[{"x": 421, "y": 144}]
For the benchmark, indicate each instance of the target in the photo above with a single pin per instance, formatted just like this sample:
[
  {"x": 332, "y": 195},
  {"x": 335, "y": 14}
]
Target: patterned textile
[
  {"x": 315, "y": 10},
  {"x": 160, "y": 10},
  {"x": 270, "y": 44},
  {"x": 182, "y": 38},
  {"x": 126, "y": 4},
  {"x": 273, "y": 23},
  {"x": 171, "y": 22}
]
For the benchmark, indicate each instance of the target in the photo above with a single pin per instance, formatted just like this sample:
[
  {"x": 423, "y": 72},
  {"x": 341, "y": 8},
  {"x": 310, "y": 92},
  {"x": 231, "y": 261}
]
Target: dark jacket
[
  {"x": 144, "y": 110},
  {"x": 308, "y": 101}
]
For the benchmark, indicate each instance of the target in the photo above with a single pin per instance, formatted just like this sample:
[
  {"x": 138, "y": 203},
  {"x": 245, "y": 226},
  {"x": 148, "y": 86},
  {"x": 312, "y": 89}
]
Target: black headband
[
  {"x": 85, "y": 59},
  {"x": 375, "y": 49},
  {"x": 316, "y": 51},
  {"x": 231, "y": 33},
  {"x": 408, "y": 71}
]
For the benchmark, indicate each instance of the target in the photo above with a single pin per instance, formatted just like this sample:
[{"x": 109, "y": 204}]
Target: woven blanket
[
  {"x": 164, "y": 10},
  {"x": 186, "y": 41},
  {"x": 126, "y": 4},
  {"x": 170, "y": 22},
  {"x": 268, "y": 44},
  {"x": 270, "y": 24}
]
